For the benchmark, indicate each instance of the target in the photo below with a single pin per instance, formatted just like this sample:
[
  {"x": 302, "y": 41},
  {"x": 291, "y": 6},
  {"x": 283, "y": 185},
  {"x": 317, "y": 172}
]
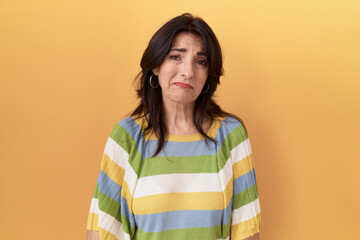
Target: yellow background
[{"x": 291, "y": 73}]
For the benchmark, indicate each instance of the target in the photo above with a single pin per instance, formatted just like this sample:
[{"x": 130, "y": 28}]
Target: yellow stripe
[
  {"x": 228, "y": 192},
  {"x": 106, "y": 235},
  {"x": 243, "y": 166},
  {"x": 141, "y": 121},
  {"x": 246, "y": 229},
  {"x": 186, "y": 138},
  {"x": 214, "y": 127},
  {"x": 92, "y": 222},
  {"x": 178, "y": 201},
  {"x": 125, "y": 193},
  {"x": 114, "y": 171}
]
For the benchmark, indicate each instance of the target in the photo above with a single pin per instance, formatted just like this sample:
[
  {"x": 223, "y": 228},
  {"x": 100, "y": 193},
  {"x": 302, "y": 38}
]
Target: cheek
[
  {"x": 202, "y": 80},
  {"x": 166, "y": 76}
]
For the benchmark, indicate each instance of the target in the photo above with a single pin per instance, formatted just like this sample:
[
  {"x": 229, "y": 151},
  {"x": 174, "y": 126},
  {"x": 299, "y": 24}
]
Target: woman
[{"x": 179, "y": 167}]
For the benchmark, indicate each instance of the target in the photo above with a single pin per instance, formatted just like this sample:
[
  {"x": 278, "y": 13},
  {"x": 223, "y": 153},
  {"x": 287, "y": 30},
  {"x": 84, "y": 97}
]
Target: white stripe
[
  {"x": 94, "y": 206},
  {"x": 118, "y": 155},
  {"x": 237, "y": 154},
  {"x": 190, "y": 182},
  {"x": 168, "y": 183},
  {"x": 108, "y": 222},
  {"x": 226, "y": 174},
  {"x": 241, "y": 151},
  {"x": 246, "y": 212},
  {"x": 228, "y": 238}
]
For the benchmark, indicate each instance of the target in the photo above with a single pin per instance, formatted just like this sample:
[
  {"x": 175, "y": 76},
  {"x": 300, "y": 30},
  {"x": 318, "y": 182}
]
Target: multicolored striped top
[{"x": 193, "y": 189}]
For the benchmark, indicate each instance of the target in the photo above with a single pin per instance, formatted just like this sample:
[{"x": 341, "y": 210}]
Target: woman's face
[{"x": 184, "y": 71}]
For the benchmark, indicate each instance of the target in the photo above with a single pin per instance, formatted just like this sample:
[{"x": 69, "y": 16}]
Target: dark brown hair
[{"x": 150, "y": 105}]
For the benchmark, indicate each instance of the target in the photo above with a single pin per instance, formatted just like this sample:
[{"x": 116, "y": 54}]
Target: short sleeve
[
  {"x": 110, "y": 211},
  {"x": 246, "y": 213}
]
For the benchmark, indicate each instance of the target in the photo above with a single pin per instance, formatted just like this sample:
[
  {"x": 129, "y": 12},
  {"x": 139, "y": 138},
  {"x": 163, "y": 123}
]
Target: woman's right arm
[{"x": 92, "y": 235}]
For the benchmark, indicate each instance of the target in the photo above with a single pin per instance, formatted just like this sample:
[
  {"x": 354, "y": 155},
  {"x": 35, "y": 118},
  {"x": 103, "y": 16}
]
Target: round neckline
[
  {"x": 184, "y": 138},
  {"x": 211, "y": 132},
  {"x": 192, "y": 137}
]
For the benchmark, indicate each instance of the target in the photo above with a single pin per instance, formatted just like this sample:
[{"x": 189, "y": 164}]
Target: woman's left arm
[
  {"x": 255, "y": 237},
  {"x": 246, "y": 212}
]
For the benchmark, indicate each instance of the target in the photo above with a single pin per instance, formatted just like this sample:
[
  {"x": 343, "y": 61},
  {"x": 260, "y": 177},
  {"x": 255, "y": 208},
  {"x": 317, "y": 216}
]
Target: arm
[
  {"x": 246, "y": 211},
  {"x": 92, "y": 235},
  {"x": 108, "y": 218},
  {"x": 255, "y": 237}
]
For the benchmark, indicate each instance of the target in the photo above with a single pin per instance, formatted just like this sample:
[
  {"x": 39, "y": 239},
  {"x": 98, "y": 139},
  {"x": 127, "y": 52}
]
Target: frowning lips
[{"x": 183, "y": 85}]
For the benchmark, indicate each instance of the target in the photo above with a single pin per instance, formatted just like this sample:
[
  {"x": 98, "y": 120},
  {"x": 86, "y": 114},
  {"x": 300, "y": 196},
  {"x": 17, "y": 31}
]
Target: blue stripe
[
  {"x": 182, "y": 149},
  {"x": 227, "y": 126},
  {"x": 113, "y": 190},
  {"x": 227, "y": 213},
  {"x": 158, "y": 222},
  {"x": 135, "y": 132},
  {"x": 126, "y": 212},
  {"x": 244, "y": 182},
  {"x": 109, "y": 187}
]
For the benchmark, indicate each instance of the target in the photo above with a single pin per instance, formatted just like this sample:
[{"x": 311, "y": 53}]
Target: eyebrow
[{"x": 185, "y": 50}]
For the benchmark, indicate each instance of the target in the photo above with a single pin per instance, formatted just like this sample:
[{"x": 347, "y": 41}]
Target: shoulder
[
  {"x": 130, "y": 123},
  {"x": 126, "y": 128},
  {"x": 231, "y": 131},
  {"x": 231, "y": 123},
  {"x": 230, "y": 120}
]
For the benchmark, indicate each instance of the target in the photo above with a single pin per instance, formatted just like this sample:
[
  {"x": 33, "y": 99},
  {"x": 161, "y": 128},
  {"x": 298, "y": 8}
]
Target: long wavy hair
[{"x": 150, "y": 105}]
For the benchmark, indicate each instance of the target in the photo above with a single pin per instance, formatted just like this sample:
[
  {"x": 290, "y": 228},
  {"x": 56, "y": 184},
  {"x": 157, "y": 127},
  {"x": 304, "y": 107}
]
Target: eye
[
  {"x": 175, "y": 57},
  {"x": 202, "y": 62}
]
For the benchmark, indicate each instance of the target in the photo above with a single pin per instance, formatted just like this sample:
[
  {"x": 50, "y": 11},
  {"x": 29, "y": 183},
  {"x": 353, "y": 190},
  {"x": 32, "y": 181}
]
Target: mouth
[{"x": 183, "y": 85}]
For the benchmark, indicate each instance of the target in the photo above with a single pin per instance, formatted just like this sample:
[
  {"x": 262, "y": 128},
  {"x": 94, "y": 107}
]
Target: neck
[{"x": 179, "y": 118}]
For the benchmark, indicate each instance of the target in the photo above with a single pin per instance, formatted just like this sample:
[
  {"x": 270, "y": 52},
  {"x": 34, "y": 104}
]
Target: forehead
[{"x": 188, "y": 40}]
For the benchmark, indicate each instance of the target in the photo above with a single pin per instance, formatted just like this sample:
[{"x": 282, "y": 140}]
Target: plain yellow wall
[{"x": 291, "y": 73}]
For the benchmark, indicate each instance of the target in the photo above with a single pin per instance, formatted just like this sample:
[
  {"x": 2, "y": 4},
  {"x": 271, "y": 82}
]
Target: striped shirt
[{"x": 193, "y": 189}]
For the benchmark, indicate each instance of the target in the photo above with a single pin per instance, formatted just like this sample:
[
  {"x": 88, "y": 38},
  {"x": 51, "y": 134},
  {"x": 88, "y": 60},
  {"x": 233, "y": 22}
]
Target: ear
[{"x": 156, "y": 71}]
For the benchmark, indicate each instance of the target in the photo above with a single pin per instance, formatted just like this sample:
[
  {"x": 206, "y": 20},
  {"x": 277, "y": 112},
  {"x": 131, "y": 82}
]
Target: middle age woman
[{"x": 179, "y": 167}]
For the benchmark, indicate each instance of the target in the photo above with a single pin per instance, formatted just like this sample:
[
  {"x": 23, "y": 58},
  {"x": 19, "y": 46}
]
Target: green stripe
[
  {"x": 171, "y": 164},
  {"x": 96, "y": 190},
  {"x": 126, "y": 225},
  {"x": 181, "y": 234},
  {"x": 165, "y": 165},
  {"x": 108, "y": 205},
  {"x": 122, "y": 137},
  {"x": 194, "y": 164},
  {"x": 226, "y": 229},
  {"x": 126, "y": 142},
  {"x": 238, "y": 135},
  {"x": 233, "y": 139},
  {"x": 245, "y": 197},
  {"x": 112, "y": 207}
]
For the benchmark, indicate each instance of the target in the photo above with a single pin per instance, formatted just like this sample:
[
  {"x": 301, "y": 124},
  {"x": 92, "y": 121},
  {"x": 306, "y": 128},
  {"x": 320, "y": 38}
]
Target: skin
[
  {"x": 255, "y": 237},
  {"x": 182, "y": 76},
  {"x": 92, "y": 235}
]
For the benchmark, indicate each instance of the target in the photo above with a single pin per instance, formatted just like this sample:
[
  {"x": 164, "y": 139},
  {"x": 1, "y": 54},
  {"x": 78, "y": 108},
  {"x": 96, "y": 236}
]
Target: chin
[{"x": 184, "y": 99}]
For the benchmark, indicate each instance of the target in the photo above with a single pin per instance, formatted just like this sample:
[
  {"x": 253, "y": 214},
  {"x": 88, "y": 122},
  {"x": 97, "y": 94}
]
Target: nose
[{"x": 187, "y": 69}]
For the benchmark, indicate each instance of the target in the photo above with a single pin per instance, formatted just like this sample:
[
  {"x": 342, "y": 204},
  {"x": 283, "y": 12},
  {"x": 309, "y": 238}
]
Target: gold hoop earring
[
  {"x": 151, "y": 84},
  {"x": 207, "y": 89}
]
